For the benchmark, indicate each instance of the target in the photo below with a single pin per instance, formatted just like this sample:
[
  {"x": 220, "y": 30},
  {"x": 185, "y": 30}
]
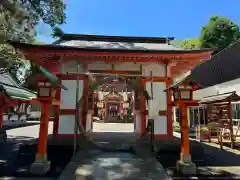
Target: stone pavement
[{"x": 115, "y": 165}]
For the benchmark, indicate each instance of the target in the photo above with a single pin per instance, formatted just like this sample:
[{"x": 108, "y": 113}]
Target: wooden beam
[{"x": 171, "y": 56}]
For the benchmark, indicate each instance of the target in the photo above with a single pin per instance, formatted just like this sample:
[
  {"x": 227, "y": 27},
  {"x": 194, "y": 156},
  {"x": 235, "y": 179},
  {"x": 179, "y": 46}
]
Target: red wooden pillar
[
  {"x": 169, "y": 108},
  {"x": 185, "y": 165},
  {"x": 1, "y": 116},
  {"x": 43, "y": 133},
  {"x": 185, "y": 145},
  {"x": 143, "y": 110},
  {"x": 1, "y": 108}
]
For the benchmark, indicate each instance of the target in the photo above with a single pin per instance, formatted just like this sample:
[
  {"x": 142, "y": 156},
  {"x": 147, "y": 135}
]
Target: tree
[
  {"x": 57, "y": 32},
  {"x": 18, "y": 23},
  {"x": 193, "y": 43},
  {"x": 219, "y": 33}
]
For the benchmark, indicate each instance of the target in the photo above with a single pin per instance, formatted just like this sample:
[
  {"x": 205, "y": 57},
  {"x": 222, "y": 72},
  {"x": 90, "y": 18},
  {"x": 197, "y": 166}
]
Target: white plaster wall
[
  {"x": 68, "y": 98},
  {"x": 71, "y": 67},
  {"x": 161, "y": 125},
  {"x": 99, "y": 65},
  {"x": 158, "y": 70},
  {"x": 198, "y": 95},
  {"x": 68, "y": 101},
  {"x": 66, "y": 124},
  {"x": 127, "y": 66},
  {"x": 229, "y": 86},
  {"x": 158, "y": 94},
  {"x": 160, "y": 104}
]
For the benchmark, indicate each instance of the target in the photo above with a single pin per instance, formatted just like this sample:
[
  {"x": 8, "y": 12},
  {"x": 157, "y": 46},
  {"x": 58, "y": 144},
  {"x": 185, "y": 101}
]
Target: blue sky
[{"x": 181, "y": 19}]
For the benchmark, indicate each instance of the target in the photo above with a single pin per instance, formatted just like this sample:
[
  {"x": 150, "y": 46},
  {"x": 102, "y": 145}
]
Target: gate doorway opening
[{"x": 113, "y": 106}]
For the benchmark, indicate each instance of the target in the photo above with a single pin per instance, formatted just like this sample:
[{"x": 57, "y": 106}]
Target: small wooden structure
[{"x": 220, "y": 117}]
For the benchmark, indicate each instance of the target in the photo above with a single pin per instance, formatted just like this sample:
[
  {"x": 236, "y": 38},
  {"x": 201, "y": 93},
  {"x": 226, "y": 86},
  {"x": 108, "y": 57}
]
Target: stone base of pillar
[
  {"x": 185, "y": 165},
  {"x": 186, "y": 168},
  {"x": 3, "y": 135},
  {"x": 40, "y": 168},
  {"x": 41, "y": 165}
]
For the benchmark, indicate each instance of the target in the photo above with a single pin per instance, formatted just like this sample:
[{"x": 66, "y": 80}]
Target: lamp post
[
  {"x": 182, "y": 93},
  {"x": 46, "y": 93},
  {"x": 183, "y": 97}
]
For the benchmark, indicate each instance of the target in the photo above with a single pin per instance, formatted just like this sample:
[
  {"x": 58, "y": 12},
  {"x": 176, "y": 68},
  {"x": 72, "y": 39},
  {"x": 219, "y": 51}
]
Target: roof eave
[
  {"x": 130, "y": 39},
  {"x": 59, "y": 47}
]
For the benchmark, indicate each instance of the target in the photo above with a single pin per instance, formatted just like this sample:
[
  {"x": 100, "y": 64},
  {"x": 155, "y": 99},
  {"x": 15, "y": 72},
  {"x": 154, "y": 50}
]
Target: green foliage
[
  {"x": 193, "y": 43},
  {"x": 219, "y": 33},
  {"x": 18, "y": 23},
  {"x": 176, "y": 43},
  {"x": 8, "y": 56},
  {"x": 57, "y": 32}
]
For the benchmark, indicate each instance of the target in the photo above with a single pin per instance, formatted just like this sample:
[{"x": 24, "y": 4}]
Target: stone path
[
  {"x": 115, "y": 166},
  {"x": 118, "y": 164},
  {"x": 113, "y": 127}
]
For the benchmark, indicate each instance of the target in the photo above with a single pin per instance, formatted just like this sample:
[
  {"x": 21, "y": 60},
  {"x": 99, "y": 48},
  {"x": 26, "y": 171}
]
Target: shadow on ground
[
  {"x": 18, "y": 162},
  {"x": 19, "y": 153},
  {"x": 211, "y": 161}
]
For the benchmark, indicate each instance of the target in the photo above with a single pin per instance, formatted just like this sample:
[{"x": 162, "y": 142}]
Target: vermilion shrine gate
[{"x": 131, "y": 56}]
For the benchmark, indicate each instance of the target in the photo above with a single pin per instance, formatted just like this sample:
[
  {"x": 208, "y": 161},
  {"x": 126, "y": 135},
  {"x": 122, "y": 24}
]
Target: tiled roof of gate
[
  {"x": 117, "y": 45},
  {"x": 116, "y": 42},
  {"x": 102, "y": 43}
]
